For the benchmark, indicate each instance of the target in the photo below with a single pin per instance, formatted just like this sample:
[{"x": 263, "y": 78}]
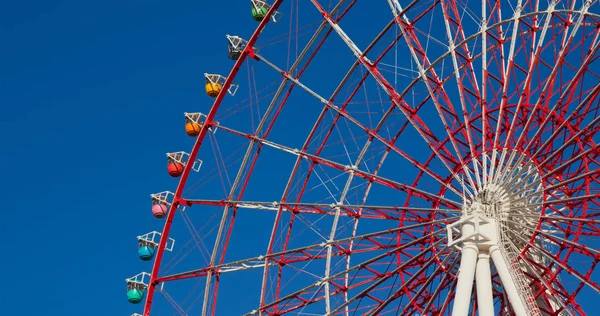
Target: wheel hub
[{"x": 512, "y": 195}]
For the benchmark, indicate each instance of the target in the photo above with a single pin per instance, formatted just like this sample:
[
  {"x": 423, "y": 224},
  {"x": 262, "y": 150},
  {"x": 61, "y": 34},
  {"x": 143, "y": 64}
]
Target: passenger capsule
[
  {"x": 146, "y": 252},
  {"x": 258, "y": 14},
  {"x": 159, "y": 210},
  {"x": 175, "y": 169},
  {"x": 213, "y": 89},
  {"x": 235, "y": 47},
  {"x": 234, "y": 54},
  {"x": 135, "y": 295},
  {"x": 192, "y": 129}
]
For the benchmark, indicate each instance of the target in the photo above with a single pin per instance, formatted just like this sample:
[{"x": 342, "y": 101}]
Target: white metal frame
[
  {"x": 162, "y": 197},
  {"x": 153, "y": 238},
  {"x": 237, "y": 42},
  {"x": 477, "y": 235},
  {"x": 218, "y": 79},
  {"x": 258, "y": 4},
  {"x": 141, "y": 279},
  {"x": 199, "y": 118},
  {"x": 179, "y": 158}
]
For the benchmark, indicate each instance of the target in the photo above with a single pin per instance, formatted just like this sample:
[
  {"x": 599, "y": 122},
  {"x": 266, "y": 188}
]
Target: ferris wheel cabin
[
  {"x": 159, "y": 210},
  {"x": 135, "y": 294},
  {"x": 175, "y": 169},
  {"x": 192, "y": 129},
  {"x": 146, "y": 250},
  {"x": 259, "y": 10}
]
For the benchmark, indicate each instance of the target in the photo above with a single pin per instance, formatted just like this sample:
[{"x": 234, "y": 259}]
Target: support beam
[
  {"x": 483, "y": 282},
  {"x": 507, "y": 282},
  {"x": 466, "y": 274}
]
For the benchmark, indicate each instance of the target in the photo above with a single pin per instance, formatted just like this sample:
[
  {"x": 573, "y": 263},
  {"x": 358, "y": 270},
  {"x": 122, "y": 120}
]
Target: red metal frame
[{"x": 465, "y": 143}]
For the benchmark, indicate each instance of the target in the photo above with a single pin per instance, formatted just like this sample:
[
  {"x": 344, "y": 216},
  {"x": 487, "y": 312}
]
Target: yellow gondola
[{"x": 213, "y": 89}]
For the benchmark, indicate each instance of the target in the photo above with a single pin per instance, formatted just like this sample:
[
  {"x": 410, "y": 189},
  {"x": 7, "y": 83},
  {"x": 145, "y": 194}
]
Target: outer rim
[{"x": 248, "y": 50}]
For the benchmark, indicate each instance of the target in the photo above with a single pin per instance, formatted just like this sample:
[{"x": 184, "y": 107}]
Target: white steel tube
[
  {"x": 507, "y": 282},
  {"x": 466, "y": 274},
  {"x": 483, "y": 283}
]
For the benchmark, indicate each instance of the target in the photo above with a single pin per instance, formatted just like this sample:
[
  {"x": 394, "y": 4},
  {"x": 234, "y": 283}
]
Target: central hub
[
  {"x": 493, "y": 200},
  {"x": 511, "y": 196}
]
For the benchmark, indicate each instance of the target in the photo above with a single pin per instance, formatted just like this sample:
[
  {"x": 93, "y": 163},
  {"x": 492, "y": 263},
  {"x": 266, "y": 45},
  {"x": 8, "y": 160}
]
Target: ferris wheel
[{"x": 388, "y": 157}]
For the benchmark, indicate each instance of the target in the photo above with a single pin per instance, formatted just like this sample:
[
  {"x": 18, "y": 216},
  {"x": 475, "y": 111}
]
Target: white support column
[
  {"x": 483, "y": 282},
  {"x": 507, "y": 282},
  {"x": 466, "y": 273}
]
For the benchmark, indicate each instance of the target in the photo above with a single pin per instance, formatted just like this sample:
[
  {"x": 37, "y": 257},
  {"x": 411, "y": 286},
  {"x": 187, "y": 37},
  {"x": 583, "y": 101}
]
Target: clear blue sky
[{"x": 92, "y": 95}]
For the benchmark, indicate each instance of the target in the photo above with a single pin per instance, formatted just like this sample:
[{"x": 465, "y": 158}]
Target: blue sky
[{"x": 92, "y": 96}]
